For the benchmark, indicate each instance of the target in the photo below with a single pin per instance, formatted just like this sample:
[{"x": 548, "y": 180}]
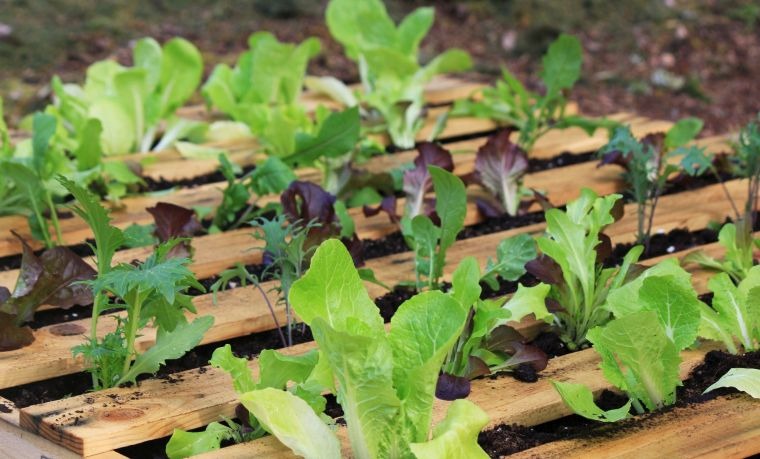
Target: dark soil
[
  {"x": 510, "y": 439},
  {"x": 161, "y": 184}
]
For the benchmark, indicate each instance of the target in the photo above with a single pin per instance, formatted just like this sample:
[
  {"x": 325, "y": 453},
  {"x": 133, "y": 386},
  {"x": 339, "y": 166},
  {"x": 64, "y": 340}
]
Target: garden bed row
[{"x": 96, "y": 424}]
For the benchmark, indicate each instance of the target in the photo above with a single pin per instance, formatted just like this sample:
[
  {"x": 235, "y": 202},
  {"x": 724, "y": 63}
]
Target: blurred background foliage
[{"x": 664, "y": 58}]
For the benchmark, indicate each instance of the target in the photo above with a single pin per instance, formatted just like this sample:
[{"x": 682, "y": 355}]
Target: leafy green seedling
[
  {"x": 647, "y": 164},
  {"x": 384, "y": 380},
  {"x": 393, "y": 81},
  {"x": 487, "y": 344},
  {"x": 656, "y": 317},
  {"x": 572, "y": 262},
  {"x": 737, "y": 238},
  {"x": 296, "y": 374},
  {"x": 534, "y": 114},
  {"x": 134, "y": 106}
]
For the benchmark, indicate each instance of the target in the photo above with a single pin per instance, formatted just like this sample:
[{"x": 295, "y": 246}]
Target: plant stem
[
  {"x": 54, "y": 218},
  {"x": 271, "y": 310},
  {"x": 134, "y": 321}
]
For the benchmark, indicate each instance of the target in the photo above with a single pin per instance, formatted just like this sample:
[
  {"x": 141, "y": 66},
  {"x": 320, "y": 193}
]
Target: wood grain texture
[
  {"x": 505, "y": 400},
  {"x": 726, "y": 427},
  {"x": 242, "y": 311},
  {"x": 133, "y": 208},
  {"x": 219, "y": 251}
]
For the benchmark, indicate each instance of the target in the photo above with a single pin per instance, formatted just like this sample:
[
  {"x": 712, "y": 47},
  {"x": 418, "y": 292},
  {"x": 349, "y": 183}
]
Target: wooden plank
[
  {"x": 75, "y": 230},
  {"x": 17, "y": 443},
  {"x": 45, "y": 418},
  {"x": 243, "y": 311},
  {"x": 725, "y": 427},
  {"x": 505, "y": 400}
]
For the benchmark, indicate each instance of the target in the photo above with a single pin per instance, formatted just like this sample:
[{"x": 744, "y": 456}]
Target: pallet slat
[
  {"x": 75, "y": 230},
  {"x": 726, "y": 427},
  {"x": 242, "y": 311}
]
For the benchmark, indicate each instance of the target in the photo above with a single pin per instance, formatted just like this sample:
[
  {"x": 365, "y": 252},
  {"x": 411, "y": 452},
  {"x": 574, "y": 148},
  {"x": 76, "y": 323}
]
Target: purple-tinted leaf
[
  {"x": 173, "y": 221},
  {"x": 499, "y": 167},
  {"x": 11, "y": 336},
  {"x": 527, "y": 353},
  {"x": 489, "y": 208},
  {"x": 501, "y": 338},
  {"x": 355, "y": 247},
  {"x": 450, "y": 387},
  {"x": 50, "y": 279},
  {"x": 542, "y": 200},
  {"x": 545, "y": 269},
  {"x": 615, "y": 157},
  {"x": 387, "y": 205},
  {"x": 618, "y": 210},
  {"x": 604, "y": 248},
  {"x": 476, "y": 367},
  {"x": 554, "y": 306},
  {"x": 31, "y": 269},
  {"x": 4, "y": 294},
  {"x": 307, "y": 202},
  {"x": 243, "y": 415},
  {"x": 418, "y": 182}
]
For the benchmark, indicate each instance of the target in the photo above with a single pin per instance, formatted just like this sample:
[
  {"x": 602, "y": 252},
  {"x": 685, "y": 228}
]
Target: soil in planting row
[
  {"x": 660, "y": 244},
  {"x": 509, "y": 439},
  {"x": 249, "y": 346},
  {"x": 394, "y": 243}
]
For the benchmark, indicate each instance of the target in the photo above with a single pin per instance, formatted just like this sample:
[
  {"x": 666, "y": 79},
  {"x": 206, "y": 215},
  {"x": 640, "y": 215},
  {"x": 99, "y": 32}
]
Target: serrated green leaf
[
  {"x": 184, "y": 444},
  {"x": 169, "y": 345}
]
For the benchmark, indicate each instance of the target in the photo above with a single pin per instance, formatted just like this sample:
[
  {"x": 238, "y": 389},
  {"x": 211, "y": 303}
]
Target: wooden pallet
[
  {"x": 93, "y": 425},
  {"x": 242, "y": 311}
]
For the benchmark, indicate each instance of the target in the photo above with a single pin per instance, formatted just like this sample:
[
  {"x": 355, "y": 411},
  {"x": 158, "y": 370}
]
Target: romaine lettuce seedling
[
  {"x": 573, "y": 252},
  {"x": 262, "y": 91},
  {"x": 384, "y": 380},
  {"x": 735, "y": 313},
  {"x": 295, "y": 374},
  {"x": 535, "y": 114},
  {"x": 134, "y": 106},
  {"x": 656, "y": 317},
  {"x": 393, "y": 81}
]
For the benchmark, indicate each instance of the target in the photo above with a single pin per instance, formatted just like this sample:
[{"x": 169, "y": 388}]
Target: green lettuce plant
[
  {"x": 32, "y": 175},
  {"x": 393, "y": 81},
  {"x": 737, "y": 237},
  {"x": 262, "y": 91},
  {"x": 572, "y": 262},
  {"x": 430, "y": 240},
  {"x": 735, "y": 313},
  {"x": 293, "y": 373},
  {"x": 384, "y": 380},
  {"x": 534, "y": 114},
  {"x": 134, "y": 107},
  {"x": 656, "y": 316}
]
